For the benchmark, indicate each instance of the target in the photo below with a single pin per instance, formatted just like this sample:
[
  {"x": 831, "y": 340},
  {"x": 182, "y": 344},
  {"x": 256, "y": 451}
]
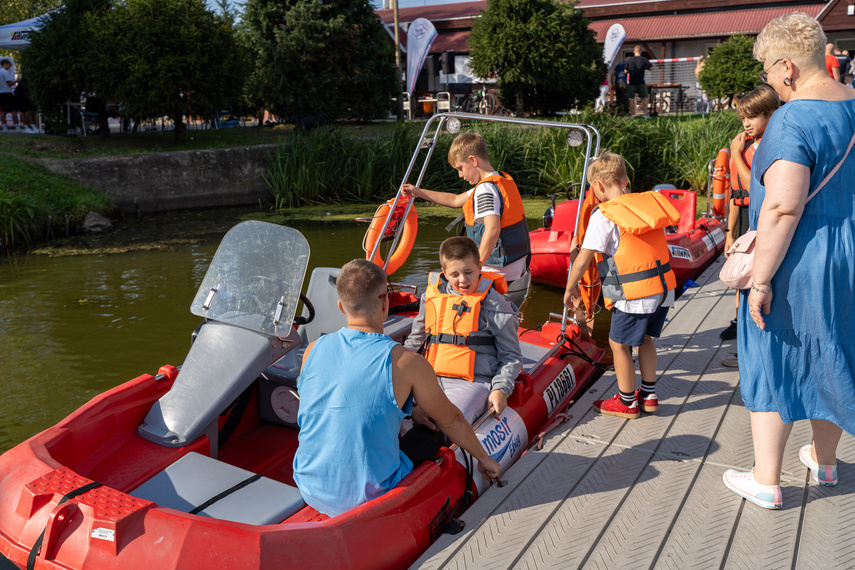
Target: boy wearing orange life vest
[
  {"x": 492, "y": 211},
  {"x": 754, "y": 109},
  {"x": 468, "y": 332},
  {"x": 629, "y": 230}
]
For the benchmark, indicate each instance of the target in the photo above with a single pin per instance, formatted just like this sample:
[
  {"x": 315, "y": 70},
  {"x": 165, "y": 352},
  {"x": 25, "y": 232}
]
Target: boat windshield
[{"x": 255, "y": 278}]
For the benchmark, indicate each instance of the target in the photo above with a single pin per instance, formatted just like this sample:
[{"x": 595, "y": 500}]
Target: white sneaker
[
  {"x": 821, "y": 474},
  {"x": 5, "y": 130},
  {"x": 21, "y": 129},
  {"x": 743, "y": 484},
  {"x": 32, "y": 129},
  {"x": 731, "y": 361}
]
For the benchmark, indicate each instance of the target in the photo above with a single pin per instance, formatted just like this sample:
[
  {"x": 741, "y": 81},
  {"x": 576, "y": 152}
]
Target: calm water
[{"x": 72, "y": 327}]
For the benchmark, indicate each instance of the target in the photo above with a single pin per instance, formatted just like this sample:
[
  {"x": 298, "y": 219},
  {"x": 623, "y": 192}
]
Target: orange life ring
[
  {"x": 721, "y": 183},
  {"x": 408, "y": 234}
]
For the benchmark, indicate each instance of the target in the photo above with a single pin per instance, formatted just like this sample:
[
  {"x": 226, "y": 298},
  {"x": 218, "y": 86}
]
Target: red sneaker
[
  {"x": 649, "y": 403},
  {"x": 615, "y": 407}
]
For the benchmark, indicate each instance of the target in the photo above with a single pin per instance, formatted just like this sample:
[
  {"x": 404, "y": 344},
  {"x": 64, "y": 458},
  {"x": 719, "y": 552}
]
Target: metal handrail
[{"x": 592, "y": 137}]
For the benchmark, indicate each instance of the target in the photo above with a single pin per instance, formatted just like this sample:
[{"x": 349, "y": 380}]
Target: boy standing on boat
[
  {"x": 356, "y": 387},
  {"x": 492, "y": 211},
  {"x": 629, "y": 230},
  {"x": 754, "y": 109},
  {"x": 468, "y": 333}
]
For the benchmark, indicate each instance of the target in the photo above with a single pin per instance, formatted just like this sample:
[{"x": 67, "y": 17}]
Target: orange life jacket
[
  {"x": 738, "y": 187},
  {"x": 589, "y": 284},
  {"x": 641, "y": 266},
  {"x": 450, "y": 320},
  {"x": 513, "y": 241}
]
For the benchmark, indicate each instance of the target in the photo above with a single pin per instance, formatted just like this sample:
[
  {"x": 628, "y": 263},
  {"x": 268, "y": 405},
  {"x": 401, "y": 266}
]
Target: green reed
[
  {"x": 690, "y": 145},
  {"x": 328, "y": 166}
]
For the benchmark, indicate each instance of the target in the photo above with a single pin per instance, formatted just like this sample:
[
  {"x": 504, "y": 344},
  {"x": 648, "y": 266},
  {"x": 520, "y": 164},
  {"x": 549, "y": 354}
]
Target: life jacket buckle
[{"x": 461, "y": 308}]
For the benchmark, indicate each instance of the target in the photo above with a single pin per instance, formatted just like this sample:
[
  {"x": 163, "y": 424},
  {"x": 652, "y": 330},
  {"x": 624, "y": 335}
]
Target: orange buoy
[
  {"x": 721, "y": 183},
  {"x": 408, "y": 234}
]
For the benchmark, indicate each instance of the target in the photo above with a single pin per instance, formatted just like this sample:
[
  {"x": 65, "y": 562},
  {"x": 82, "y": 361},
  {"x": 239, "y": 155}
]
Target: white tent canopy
[{"x": 17, "y": 36}]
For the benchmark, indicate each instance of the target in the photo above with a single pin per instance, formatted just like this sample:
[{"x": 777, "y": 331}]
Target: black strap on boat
[
  {"x": 34, "y": 552},
  {"x": 225, "y": 493},
  {"x": 238, "y": 409},
  {"x": 455, "y": 525}
]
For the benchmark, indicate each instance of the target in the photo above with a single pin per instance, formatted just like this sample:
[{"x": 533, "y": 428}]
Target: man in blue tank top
[{"x": 356, "y": 386}]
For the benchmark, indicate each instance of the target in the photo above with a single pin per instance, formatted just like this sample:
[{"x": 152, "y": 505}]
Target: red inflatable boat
[
  {"x": 192, "y": 468},
  {"x": 694, "y": 243}
]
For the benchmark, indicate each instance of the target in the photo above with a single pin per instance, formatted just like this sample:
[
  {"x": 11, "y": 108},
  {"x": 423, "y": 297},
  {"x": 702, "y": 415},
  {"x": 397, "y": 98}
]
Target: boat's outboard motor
[{"x": 249, "y": 298}]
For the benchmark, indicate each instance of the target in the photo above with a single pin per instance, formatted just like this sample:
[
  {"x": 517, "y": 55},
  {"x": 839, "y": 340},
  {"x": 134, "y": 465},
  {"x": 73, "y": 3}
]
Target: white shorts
[{"x": 469, "y": 397}]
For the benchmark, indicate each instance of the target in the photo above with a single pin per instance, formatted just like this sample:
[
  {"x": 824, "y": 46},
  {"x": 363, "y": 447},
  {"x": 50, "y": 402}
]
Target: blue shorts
[{"x": 631, "y": 329}]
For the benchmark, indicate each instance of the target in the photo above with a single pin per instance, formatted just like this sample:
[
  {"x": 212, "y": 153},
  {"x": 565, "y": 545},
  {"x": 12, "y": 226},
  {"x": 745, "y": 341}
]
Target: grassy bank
[
  {"x": 345, "y": 172},
  {"x": 30, "y": 195},
  {"x": 329, "y": 167},
  {"x": 34, "y": 202},
  {"x": 117, "y": 144}
]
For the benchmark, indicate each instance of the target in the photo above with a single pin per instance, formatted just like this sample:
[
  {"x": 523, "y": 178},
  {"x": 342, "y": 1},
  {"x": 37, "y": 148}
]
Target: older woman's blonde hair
[{"x": 795, "y": 36}]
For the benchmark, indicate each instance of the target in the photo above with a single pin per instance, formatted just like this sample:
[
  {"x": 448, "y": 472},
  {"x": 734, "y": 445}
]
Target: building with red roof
[{"x": 665, "y": 28}]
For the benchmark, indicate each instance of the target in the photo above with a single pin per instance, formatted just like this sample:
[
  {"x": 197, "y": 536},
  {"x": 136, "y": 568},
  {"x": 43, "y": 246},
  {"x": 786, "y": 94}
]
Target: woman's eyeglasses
[{"x": 765, "y": 75}]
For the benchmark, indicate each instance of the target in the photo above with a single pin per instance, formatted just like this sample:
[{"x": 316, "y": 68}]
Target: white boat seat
[
  {"x": 278, "y": 384},
  {"x": 532, "y": 354},
  {"x": 196, "y": 480}
]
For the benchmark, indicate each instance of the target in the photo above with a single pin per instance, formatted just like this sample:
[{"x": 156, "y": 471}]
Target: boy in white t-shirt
[
  {"x": 629, "y": 230},
  {"x": 492, "y": 211}
]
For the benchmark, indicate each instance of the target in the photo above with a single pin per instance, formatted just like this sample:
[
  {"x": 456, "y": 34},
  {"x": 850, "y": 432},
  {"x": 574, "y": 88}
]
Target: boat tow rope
[
  {"x": 225, "y": 493},
  {"x": 34, "y": 552},
  {"x": 455, "y": 525},
  {"x": 581, "y": 354},
  {"x": 559, "y": 419}
]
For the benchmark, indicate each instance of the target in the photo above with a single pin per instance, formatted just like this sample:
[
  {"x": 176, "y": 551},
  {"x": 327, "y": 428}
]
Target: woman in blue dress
[{"x": 796, "y": 319}]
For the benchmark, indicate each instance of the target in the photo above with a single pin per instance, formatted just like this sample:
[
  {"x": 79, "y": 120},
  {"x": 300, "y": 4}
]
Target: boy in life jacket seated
[
  {"x": 754, "y": 109},
  {"x": 468, "y": 333},
  {"x": 629, "y": 230},
  {"x": 492, "y": 211}
]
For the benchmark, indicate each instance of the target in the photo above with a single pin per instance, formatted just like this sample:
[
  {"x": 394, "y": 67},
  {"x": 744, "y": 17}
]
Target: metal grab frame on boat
[{"x": 430, "y": 143}]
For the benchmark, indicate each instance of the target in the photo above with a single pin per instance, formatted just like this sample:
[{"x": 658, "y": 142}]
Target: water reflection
[{"x": 73, "y": 327}]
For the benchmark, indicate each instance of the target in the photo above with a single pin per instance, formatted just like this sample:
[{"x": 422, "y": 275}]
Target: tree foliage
[
  {"x": 165, "y": 58},
  {"x": 56, "y": 60},
  {"x": 543, "y": 52},
  {"x": 731, "y": 68},
  {"x": 331, "y": 57},
  {"x": 17, "y": 10}
]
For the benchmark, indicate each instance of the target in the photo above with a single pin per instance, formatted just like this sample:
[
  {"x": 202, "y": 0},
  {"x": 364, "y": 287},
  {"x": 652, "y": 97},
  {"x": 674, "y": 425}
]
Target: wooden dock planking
[{"x": 612, "y": 493}]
